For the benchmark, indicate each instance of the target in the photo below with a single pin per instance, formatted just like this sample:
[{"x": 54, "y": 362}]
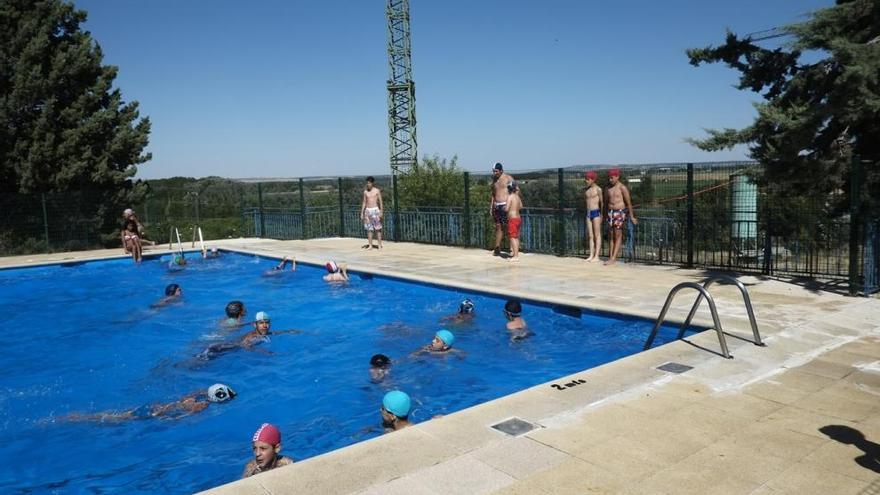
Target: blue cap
[
  {"x": 446, "y": 336},
  {"x": 397, "y": 403},
  {"x": 262, "y": 316}
]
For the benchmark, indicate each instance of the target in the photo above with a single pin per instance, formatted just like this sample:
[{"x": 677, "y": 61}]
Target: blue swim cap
[
  {"x": 397, "y": 403},
  {"x": 446, "y": 336}
]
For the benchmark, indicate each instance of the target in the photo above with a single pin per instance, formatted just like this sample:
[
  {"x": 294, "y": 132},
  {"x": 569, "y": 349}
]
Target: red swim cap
[
  {"x": 614, "y": 172},
  {"x": 268, "y": 433},
  {"x": 592, "y": 175},
  {"x": 331, "y": 267}
]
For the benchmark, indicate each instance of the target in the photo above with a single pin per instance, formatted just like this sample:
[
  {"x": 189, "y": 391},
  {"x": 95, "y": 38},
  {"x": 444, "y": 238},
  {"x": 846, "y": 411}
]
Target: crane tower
[{"x": 401, "y": 89}]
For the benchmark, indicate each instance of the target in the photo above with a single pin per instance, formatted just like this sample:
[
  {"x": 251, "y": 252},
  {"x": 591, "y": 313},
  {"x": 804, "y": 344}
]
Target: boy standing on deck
[
  {"x": 371, "y": 213},
  {"x": 619, "y": 208},
  {"x": 593, "y": 197},
  {"x": 514, "y": 204},
  {"x": 500, "y": 180}
]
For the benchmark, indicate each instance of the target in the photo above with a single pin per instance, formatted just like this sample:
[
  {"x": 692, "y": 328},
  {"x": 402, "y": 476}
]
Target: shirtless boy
[
  {"x": 266, "y": 445},
  {"x": 500, "y": 180},
  {"x": 619, "y": 207},
  {"x": 336, "y": 273},
  {"x": 371, "y": 213},
  {"x": 514, "y": 204},
  {"x": 593, "y": 197}
]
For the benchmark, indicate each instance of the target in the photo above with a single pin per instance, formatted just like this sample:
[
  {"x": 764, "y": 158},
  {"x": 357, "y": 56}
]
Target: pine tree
[
  {"x": 821, "y": 105},
  {"x": 64, "y": 126}
]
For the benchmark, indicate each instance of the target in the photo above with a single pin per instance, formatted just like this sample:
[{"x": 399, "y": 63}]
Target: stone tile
[
  {"x": 621, "y": 459},
  {"x": 768, "y": 439},
  {"x": 464, "y": 475},
  {"x": 788, "y": 387},
  {"x": 841, "y": 402},
  {"x": 247, "y": 486},
  {"x": 825, "y": 368},
  {"x": 802, "y": 421},
  {"x": 847, "y": 357},
  {"x": 848, "y": 460},
  {"x": 400, "y": 486},
  {"x": 697, "y": 480},
  {"x": 706, "y": 421},
  {"x": 573, "y": 477},
  {"x": 808, "y": 479},
  {"x": 520, "y": 488},
  {"x": 520, "y": 457},
  {"x": 359, "y": 466},
  {"x": 729, "y": 457},
  {"x": 743, "y": 405}
]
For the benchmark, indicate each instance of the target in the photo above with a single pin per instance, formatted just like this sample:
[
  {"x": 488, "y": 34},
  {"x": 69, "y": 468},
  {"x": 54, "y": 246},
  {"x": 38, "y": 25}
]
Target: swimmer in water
[
  {"x": 515, "y": 323},
  {"x": 178, "y": 261},
  {"x": 172, "y": 295},
  {"x": 336, "y": 273},
  {"x": 441, "y": 344},
  {"x": 258, "y": 335},
  {"x": 380, "y": 366},
  {"x": 466, "y": 314},
  {"x": 235, "y": 311},
  {"x": 396, "y": 406},
  {"x": 266, "y": 445},
  {"x": 189, "y": 404},
  {"x": 279, "y": 268}
]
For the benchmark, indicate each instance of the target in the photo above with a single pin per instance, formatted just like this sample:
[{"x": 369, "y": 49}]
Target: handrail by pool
[
  {"x": 746, "y": 299},
  {"x": 703, "y": 293}
]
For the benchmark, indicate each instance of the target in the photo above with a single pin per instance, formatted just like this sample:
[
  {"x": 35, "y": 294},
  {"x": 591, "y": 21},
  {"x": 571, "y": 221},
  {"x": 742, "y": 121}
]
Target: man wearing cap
[
  {"x": 619, "y": 208},
  {"x": 267, "y": 451},
  {"x": 593, "y": 198},
  {"x": 395, "y": 410},
  {"x": 500, "y": 180}
]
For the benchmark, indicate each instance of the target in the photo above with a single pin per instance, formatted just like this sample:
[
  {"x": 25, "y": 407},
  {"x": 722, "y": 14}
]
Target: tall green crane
[{"x": 401, "y": 89}]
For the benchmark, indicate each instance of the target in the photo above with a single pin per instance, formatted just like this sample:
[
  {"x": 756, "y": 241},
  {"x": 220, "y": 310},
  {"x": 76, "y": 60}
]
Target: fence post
[
  {"x": 855, "y": 187},
  {"x": 341, "y": 210},
  {"x": 302, "y": 209},
  {"x": 466, "y": 221},
  {"x": 241, "y": 209},
  {"x": 560, "y": 217},
  {"x": 396, "y": 208},
  {"x": 767, "y": 265},
  {"x": 260, "y": 203},
  {"x": 690, "y": 216},
  {"x": 198, "y": 210},
  {"x": 45, "y": 221}
]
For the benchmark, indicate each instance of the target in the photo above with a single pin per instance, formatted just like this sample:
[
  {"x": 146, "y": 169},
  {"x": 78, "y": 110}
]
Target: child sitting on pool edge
[
  {"x": 336, "y": 273},
  {"x": 267, "y": 451},
  {"x": 395, "y": 411}
]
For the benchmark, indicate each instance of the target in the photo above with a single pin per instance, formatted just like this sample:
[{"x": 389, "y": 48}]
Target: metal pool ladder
[{"x": 704, "y": 292}]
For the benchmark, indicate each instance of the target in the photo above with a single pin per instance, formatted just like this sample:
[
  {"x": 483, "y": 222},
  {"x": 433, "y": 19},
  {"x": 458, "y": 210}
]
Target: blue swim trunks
[{"x": 593, "y": 214}]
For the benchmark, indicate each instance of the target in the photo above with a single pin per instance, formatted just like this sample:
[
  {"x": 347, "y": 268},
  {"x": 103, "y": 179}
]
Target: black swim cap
[
  {"x": 171, "y": 289},
  {"x": 234, "y": 309},
  {"x": 513, "y": 307},
  {"x": 380, "y": 361}
]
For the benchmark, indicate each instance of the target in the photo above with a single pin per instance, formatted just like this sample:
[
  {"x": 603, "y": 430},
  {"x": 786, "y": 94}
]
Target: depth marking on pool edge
[{"x": 565, "y": 386}]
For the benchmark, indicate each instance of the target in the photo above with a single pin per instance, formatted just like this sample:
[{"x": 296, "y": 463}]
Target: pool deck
[{"x": 799, "y": 416}]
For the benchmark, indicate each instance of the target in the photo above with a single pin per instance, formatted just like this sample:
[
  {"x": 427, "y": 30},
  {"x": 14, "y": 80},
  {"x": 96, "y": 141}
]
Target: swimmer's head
[
  {"x": 466, "y": 307},
  {"x": 262, "y": 316},
  {"x": 172, "y": 290},
  {"x": 498, "y": 167},
  {"x": 591, "y": 175},
  {"x": 513, "y": 308},
  {"x": 219, "y": 392},
  {"x": 331, "y": 267},
  {"x": 512, "y": 186},
  {"x": 397, "y": 403},
  {"x": 179, "y": 259},
  {"x": 614, "y": 172},
  {"x": 370, "y": 182},
  {"x": 214, "y": 250},
  {"x": 268, "y": 433},
  {"x": 235, "y": 309},
  {"x": 127, "y": 213},
  {"x": 380, "y": 361},
  {"x": 446, "y": 337}
]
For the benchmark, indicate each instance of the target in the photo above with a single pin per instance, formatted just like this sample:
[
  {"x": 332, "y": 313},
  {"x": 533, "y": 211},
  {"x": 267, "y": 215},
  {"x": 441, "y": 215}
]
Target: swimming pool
[{"x": 81, "y": 338}]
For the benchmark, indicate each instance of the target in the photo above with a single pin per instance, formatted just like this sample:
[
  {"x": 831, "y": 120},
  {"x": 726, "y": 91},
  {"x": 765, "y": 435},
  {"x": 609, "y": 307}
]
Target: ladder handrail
[
  {"x": 703, "y": 293},
  {"x": 746, "y": 299}
]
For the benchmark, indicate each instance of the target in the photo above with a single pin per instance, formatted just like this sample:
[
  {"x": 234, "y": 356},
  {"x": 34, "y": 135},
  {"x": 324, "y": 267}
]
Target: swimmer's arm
[{"x": 293, "y": 331}]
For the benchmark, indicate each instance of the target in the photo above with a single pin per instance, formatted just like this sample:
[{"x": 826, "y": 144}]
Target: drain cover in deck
[
  {"x": 675, "y": 367},
  {"x": 514, "y": 427}
]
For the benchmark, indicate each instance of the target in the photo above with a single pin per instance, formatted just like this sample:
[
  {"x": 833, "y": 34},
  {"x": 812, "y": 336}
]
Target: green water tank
[{"x": 743, "y": 208}]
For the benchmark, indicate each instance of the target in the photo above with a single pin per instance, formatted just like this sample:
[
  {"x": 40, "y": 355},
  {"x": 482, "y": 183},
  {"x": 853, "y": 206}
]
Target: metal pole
[
  {"x": 45, "y": 221},
  {"x": 855, "y": 185},
  {"x": 397, "y": 235},
  {"x": 302, "y": 209},
  {"x": 198, "y": 210},
  {"x": 341, "y": 210},
  {"x": 560, "y": 212},
  {"x": 690, "y": 215},
  {"x": 241, "y": 209},
  {"x": 260, "y": 203},
  {"x": 467, "y": 209}
]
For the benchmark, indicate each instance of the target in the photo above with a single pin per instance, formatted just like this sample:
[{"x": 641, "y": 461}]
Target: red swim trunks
[{"x": 513, "y": 227}]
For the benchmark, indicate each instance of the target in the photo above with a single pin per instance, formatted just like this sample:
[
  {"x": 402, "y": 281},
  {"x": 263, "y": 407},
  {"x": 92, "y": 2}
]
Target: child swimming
[{"x": 466, "y": 314}]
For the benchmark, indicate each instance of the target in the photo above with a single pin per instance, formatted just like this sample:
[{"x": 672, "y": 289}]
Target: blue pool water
[{"x": 82, "y": 339}]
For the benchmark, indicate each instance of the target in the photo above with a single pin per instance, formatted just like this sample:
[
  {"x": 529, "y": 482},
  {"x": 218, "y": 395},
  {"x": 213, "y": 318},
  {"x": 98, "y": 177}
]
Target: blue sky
[{"x": 293, "y": 88}]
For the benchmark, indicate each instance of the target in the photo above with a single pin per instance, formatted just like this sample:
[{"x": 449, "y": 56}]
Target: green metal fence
[{"x": 703, "y": 215}]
